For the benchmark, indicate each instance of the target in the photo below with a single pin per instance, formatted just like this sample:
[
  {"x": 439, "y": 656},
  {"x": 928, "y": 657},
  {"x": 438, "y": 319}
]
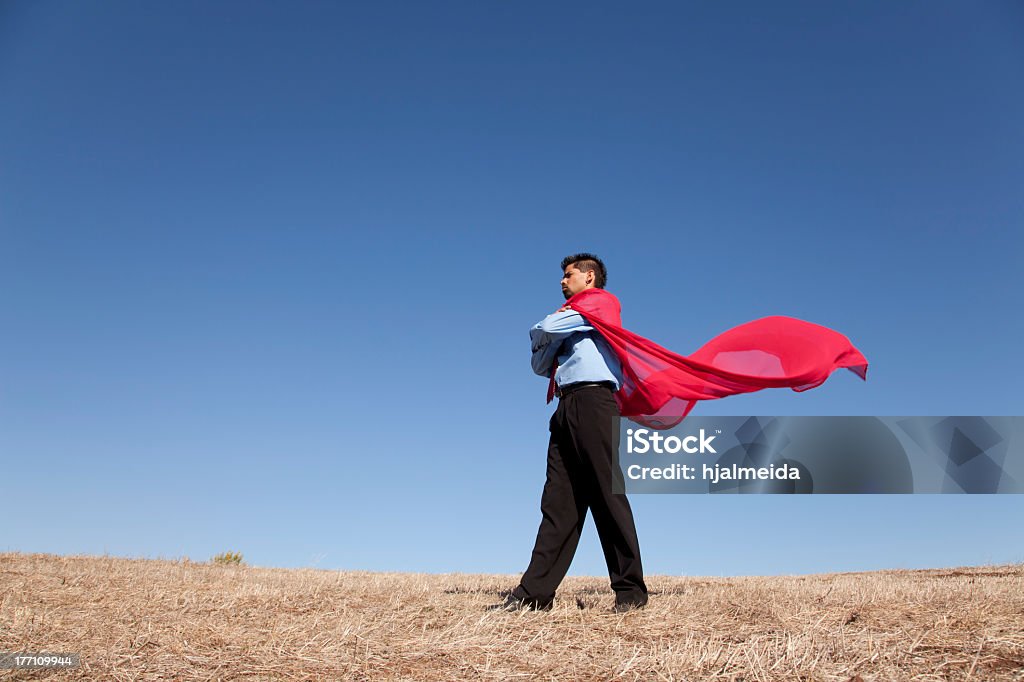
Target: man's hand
[{"x": 563, "y": 308}]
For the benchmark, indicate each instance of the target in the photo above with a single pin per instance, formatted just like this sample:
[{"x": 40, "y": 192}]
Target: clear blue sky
[{"x": 268, "y": 269}]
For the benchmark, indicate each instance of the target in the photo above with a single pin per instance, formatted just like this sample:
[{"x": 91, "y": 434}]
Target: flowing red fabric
[{"x": 659, "y": 387}]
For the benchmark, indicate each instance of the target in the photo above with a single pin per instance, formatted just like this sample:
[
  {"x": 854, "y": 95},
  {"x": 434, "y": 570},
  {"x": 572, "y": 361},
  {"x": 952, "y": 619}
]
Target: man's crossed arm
[{"x": 547, "y": 335}]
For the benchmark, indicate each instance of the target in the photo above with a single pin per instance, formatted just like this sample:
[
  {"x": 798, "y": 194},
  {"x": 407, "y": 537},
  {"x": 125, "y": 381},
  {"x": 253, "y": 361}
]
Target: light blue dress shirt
[{"x": 582, "y": 353}]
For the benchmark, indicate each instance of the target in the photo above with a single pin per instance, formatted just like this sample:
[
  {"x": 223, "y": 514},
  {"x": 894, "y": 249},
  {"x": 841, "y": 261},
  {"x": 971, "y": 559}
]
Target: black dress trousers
[{"x": 584, "y": 436}]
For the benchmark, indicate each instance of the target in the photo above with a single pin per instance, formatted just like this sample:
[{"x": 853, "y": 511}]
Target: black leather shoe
[
  {"x": 515, "y": 604},
  {"x": 625, "y": 606}
]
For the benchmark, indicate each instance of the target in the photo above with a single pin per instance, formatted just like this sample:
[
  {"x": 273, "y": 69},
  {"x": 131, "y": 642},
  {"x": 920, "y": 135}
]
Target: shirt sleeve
[{"x": 547, "y": 335}]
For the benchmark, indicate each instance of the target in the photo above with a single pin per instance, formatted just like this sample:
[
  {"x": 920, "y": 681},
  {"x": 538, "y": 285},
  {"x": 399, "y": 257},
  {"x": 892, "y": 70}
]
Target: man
[{"x": 584, "y": 435}]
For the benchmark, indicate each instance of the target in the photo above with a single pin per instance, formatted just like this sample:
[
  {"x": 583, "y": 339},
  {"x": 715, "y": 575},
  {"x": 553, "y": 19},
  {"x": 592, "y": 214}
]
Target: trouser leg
[
  {"x": 563, "y": 510},
  {"x": 592, "y": 418}
]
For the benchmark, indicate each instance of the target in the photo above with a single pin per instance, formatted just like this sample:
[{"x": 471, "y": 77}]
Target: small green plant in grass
[{"x": 228, "y": 559}]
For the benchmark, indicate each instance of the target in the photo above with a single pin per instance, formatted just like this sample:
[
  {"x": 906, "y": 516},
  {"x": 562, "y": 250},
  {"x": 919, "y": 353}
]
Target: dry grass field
[{"x": 146, "y": 619}]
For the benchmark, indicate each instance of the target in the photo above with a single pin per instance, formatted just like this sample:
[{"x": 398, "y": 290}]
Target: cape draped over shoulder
[{"x": 659, "y": 387}]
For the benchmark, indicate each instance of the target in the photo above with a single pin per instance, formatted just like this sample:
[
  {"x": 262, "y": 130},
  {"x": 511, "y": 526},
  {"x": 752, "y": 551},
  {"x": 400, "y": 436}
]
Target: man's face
[{"x": 574, "y": 281}]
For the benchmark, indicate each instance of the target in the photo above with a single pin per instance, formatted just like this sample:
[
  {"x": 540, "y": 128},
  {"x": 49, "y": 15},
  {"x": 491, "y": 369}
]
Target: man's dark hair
[{"x": 588, "y": 262}]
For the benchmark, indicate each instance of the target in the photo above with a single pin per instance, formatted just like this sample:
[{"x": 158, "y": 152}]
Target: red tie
[
  {"x": 551, "y": 382},
  {"x": 554, "y": 367}
]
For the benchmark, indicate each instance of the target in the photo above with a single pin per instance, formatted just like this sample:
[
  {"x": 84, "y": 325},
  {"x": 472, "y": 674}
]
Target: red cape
[{"x": 659, "y": 387}]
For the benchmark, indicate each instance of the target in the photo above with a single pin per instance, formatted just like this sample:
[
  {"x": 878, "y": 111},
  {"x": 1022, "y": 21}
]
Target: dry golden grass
[{"x": 145, "y": 619}]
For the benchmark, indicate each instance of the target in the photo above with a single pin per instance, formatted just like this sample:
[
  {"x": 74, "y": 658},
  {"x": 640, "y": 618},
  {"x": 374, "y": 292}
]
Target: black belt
[{"x": 563, "y": 391}]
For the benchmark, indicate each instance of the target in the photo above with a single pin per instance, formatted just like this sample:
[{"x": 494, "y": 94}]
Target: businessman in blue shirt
[{"x": 584, "y": 435}]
